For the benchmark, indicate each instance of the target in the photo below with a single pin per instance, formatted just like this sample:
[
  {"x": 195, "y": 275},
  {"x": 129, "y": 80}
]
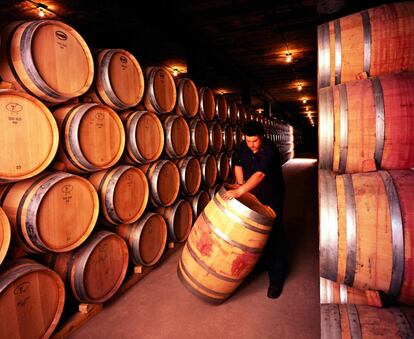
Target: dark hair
[{"x": 253, "y": 128}]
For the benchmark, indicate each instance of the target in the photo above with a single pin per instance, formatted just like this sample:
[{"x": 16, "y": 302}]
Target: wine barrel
[
  {"x": 47, "y": 59},
  {"x": 367, "y": 124},
  {"x": 232, "y": 112},
  {"x": 179, "y": 218},
  {"x": 221, "y": 108},
  {"x": 190, "y": 175},
  {"x": 224, "y": 245},
  {"x": 199, "y": 202},
  {"x": 241, "y": 114},
  {"x": 215, "y": 137},
  {"x": 119, "y": 81},
  {"x": 237, "y": 136},
  {"x": 146, "y": 238},
  {"x": 95, "y": 270},
  {"x": 92, "y": 137},
  {"x": 51, "y": 212},
  {"x": 123, "y": 193},
  {"x": 208, "y": 169},
  {"x": 334, "y": 293},
  {"x": 164, "y": 182},
  {"x": 30, "y": 136},
  {"x": 223, "y": 167},
  {"x": 199, "y": 136},
  {"x": 176, "y": 135},
  {"x": 31, "y": 300},
  {"x": 213, "y": 190},
  {"x": 207, "y": 106},
  {"x": 360, "y": 321},
  {"x": 369, "y": 43},
  {"x": 366, "y": 231},
  {"x": 228, "y": 141},
  {"x": 144, "y": 137},
  {"x": 187, "y": 98},
  {"x": 160, "y": 93},
  {"x": 4, "y": 235}
]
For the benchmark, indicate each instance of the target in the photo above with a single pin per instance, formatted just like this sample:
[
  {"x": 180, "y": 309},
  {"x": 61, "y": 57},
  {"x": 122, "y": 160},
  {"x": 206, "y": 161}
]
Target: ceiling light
[
  {"x": 300, "y": 86},
  {"x": 41, "y": 7},
  {"x": 307, "y": 108},
  {"x": 175, "y": 72},
  {"x": 288, "y": 57},
  {"x": 304, "y": 101}
]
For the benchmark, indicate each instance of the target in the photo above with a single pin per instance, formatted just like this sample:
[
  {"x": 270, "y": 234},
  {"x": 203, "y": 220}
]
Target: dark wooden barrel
[
  {"x": 223, "y": 166},
  {"x": 224, "y": 245},
  {"x": 207, "y": 106},
  {"x": 199, "y": 136},
  {"x": 176, "y": 136},
  {"x": 367, "y": 124},
  {"x": 221, "y": 108},
  {"x": 199, "y": 202},
  {"x": 241, "y": 114},
  {"x": 237, "y": 136},
  {"x": 369, "y": 43},
  {"x": 187, "y": 98},
  {"x": 366, "y": 231},
  {"x": 228, "y": 138},
  {"x": 215, "y": 137},
  {"x": 208, "y": 169},
  {"x": 232, "y": 111},
  {"x": 213, "y": 190},
  {"x": 190, "y": 175},
  {"x": 4, "y": 235}
]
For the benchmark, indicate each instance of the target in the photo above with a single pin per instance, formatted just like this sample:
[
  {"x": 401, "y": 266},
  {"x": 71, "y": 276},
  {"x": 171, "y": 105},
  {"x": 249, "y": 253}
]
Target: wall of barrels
[
  {"x": 104, "y": 163},
  {"x": 366, "y": 173}
]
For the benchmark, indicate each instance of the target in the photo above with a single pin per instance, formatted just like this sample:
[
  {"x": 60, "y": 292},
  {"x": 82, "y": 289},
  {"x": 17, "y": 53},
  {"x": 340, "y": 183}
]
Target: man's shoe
[{"x": 274, "y": 291}]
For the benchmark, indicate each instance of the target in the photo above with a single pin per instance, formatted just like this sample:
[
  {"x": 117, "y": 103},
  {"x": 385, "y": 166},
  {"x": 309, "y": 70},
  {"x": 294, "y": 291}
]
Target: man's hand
[{"x": 232, "y": 194}]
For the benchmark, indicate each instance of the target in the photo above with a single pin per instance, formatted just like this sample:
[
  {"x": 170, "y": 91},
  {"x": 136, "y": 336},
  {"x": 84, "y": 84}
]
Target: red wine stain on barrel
[
  {"x": 205, "y": 244},
  {"x": 242, "y": 262}
]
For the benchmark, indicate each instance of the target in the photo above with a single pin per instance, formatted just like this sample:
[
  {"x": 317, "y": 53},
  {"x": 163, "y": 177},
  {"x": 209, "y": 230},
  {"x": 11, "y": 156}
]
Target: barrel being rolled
[
  {"x": 4, "y": 235},
  {"x": 190, "y": 175},
  {"x": 199, "y": 136},
  {"x": 123, "y": 193},
  {"x": 47, "y": 59},
  {"x": 224, "y": 245},
  {"x": 187, "y": 98},
  {"x": 30, "y": 136},
  {"x": 207, "y": 104},
  {"x": 176, "y": 135},
  {"x": 360, "y": 321},
  {"x": 366, "y": 231},
  {"x": 367, "y": 125},
  {"x": 369, "y": 43}
]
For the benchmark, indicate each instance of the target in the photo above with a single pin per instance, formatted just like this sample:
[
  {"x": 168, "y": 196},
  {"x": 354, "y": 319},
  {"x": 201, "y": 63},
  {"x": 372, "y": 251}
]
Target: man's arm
[
  {"x": 251, "y": 183},
  {"x": 238, "y": 173}
]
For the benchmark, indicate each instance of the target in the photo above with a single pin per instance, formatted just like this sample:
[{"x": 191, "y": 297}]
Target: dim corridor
[{"x": 160, "y": 307}]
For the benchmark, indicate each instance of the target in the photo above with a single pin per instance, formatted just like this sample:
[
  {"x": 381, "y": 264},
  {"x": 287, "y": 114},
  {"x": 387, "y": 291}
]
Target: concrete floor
[{"x": 160, "y": 307}]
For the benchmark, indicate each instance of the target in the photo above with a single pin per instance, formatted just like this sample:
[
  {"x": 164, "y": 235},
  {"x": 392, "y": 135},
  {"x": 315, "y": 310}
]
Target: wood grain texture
[{"x": 187, "y": 98}]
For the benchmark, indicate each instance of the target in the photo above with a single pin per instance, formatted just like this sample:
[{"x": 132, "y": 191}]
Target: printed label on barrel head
[
  {"x": 20, "y": 291},
  {"x": 14, "y": 110},
  {"x": 100, "y": 118},
  {"x": 124, "y": 62},
  {"x": 67, "y": 193},
  {"x": 103, "y": 258},
  {"x": 61, "y": 38}
]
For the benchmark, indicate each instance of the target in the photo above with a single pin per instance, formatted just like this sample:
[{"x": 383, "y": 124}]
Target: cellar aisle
[{"x": 160, "y": 307}]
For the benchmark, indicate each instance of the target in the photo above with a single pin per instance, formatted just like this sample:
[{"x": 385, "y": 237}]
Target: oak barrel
[
  {"x": 146, "y": 238},
  {"x": 31, "y": 300},
  {"x": 241, "y": 114},
  {"x": 164, "y": 182},
  {"x": 207, "y": 106},
  {"x": 123, "y": 193},
  {"x": 160, "y": 92},
  {"x": 92, "y": 137},
  {"x": 187, "y": 98},
  {"x": 199, "y": 136},
  {"x": 213, "y": 190},
  {"x": 367, "y": 124},
  {"x": 232, "y": 111},
  {"x": 224, "y": 245},
  {"x": 237, "y": 136},
  {"x": 4, "y": 235},
  {"x": 223, "y": 166},
  {"x": 228, "y": 138},
  {"x": 366, "y": 231},
  {"x": 144, "y": 137},
  {"x": 176, "y": 136},
  {"x": 179, "y": 218},
  {"x": 47, "y": 59},
  {"x": 95, "y": 270},
  {"x": 215, "y": 137},
  {"x": 119, "y": 81},
  {"x": 30, "y": 136},
  {"x": 208, "y": 169},
  {"x": 199, "y": 202},
  {"x": 369, "y": 43},
  {"x": 190, "y": 175},
  {"x": 53, "y": 211},
  {"x": 221, "y": 107}
]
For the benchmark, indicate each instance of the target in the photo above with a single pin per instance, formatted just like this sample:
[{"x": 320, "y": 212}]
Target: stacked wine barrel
[{"x": 366, "y": 171}]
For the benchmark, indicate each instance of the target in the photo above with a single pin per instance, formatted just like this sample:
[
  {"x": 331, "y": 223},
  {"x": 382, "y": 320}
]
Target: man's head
[{"x": 253, "y": 133}]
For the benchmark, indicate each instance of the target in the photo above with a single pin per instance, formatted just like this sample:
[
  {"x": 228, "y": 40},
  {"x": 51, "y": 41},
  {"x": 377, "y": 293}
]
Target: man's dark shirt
[{"x": 271, "y": 190}]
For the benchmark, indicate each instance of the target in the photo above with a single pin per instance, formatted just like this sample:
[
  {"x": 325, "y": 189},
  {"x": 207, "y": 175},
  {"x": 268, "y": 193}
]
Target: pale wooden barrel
[
  {"x": 228, "y": 138},
  {"x": 164, "y": 182},
  {"x": 30, "y": 136},
  {"x": 31, "y": 300},
  {"x": 215, "y": 137},
  {"x": 92, "y": 137},
  {"x": 144, "y": 137},
  {"x": 176, "y": 135},
  {"x": 4, "y": 235},
  {"x": 224, "y": 245},
  {"x": 47, "y": 59},
  {"x": 369, "y": 43},
  {"x": 207, "y": 105},
  {"x": 179, "y": 218},
  {"x": 360, "y": 321},
  {"x": 29, "y": 205},
  {"x": 187, "y": 98},
  {"x": 123, "y": 193},
  {"x": 95, "y": 270},
  {"x": 367, "y": 231},
  {"x": 232, "y": 111},
  {"x": 199, "y": 136},
  {"x": 199, "y": 202},
  {"x": 332, "y": 292},
  {"x": 221, "y": 108},
  {"x": 160, "y": 92},
  {"x": 146, "y": 238},
  {"x": 208, "y": 169},
  {"x": 237, "y": 136},
  {"x": 190, "y": 175},
  {"x": 223, "y": 167},
  {"x": 119, "y": 81}
]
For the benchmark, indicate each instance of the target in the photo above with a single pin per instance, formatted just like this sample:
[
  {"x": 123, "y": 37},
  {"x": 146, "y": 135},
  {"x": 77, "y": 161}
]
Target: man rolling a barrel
[{"x": 258, "y": 171}]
